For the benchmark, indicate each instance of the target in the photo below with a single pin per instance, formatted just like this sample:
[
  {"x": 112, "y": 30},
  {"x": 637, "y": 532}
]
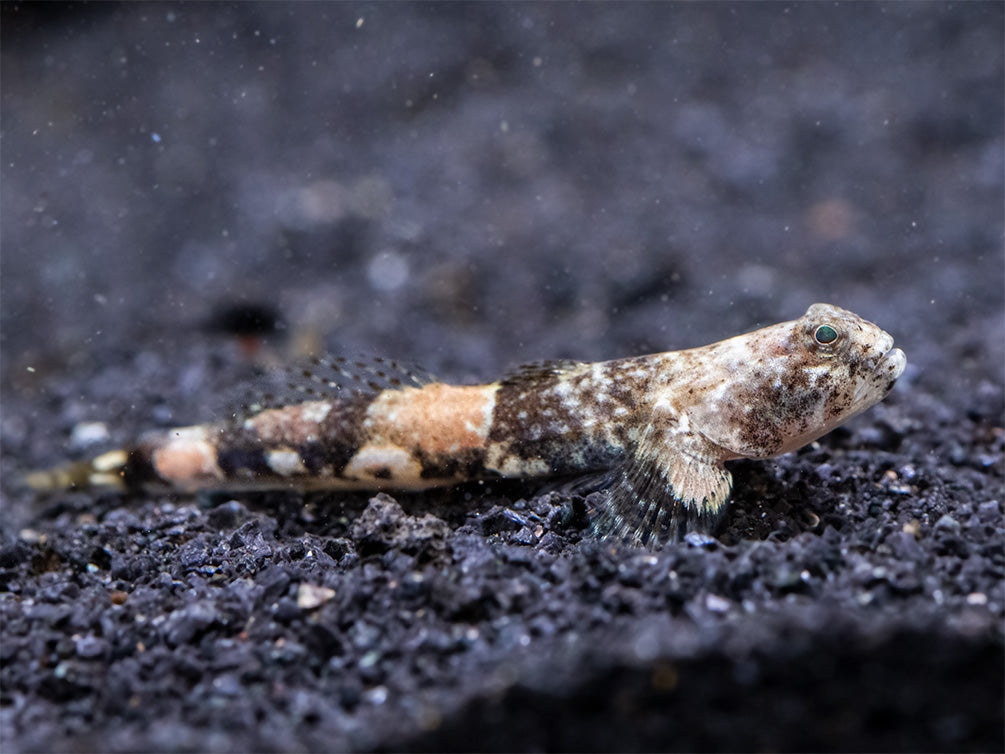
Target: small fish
[{"x": 657, "y": 429}]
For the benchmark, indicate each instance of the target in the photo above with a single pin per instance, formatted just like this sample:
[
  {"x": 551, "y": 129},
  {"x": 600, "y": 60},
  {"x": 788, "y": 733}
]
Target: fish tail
[{"x": 107, "y": 471}]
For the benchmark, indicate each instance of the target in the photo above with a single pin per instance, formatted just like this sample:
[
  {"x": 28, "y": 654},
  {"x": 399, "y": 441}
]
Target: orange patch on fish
[
  {"x": 185, "y": 458},
  {"x": 437, "y": 419}
]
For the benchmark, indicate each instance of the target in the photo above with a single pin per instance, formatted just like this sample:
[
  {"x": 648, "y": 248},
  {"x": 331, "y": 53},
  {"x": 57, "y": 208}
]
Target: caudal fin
[{"x": 105, "y": 471}]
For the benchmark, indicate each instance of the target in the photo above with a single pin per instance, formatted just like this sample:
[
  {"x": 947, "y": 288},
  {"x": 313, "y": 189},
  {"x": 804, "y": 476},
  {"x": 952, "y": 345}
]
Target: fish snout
[{"x": 892, "y": 364}]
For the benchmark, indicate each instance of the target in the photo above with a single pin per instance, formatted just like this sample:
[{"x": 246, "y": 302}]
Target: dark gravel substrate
[{"x": 471, "y": 187}]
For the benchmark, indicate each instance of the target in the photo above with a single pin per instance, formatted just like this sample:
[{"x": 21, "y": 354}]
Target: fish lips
[{"x": 892, "y": 364}]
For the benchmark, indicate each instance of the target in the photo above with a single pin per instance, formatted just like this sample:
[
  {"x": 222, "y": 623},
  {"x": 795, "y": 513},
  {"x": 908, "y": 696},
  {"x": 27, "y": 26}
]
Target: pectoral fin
[{"x": 671, "y": 484}]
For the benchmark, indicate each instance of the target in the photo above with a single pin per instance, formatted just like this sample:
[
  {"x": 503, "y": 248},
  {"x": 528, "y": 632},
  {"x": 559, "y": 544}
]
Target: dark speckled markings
[
  {"x": 662, "y": 425},
  {"x": 563, "y": 418}
]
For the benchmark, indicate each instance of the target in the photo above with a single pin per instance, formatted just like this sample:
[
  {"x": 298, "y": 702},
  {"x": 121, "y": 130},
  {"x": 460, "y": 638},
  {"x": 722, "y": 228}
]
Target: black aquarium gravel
[{"x": 191, "y": 192}]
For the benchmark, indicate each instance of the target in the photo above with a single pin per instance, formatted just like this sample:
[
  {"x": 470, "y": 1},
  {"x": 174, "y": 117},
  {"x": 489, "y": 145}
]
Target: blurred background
[{"x": 471, "y": 186}]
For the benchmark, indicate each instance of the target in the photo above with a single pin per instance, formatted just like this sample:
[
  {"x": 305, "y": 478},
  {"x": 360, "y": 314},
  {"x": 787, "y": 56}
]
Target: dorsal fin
[
  {"x": 326, "y": 378},
  {"x": 540, "y": 371}
]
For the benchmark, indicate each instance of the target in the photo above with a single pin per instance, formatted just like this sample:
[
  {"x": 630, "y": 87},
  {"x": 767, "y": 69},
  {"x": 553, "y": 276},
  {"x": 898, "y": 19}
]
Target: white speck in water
[{"x": 156, "y": 138}]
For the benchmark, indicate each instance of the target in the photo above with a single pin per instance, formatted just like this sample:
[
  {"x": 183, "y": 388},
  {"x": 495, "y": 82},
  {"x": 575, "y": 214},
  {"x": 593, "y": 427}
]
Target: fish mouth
[{"x": 892, "y": 364}]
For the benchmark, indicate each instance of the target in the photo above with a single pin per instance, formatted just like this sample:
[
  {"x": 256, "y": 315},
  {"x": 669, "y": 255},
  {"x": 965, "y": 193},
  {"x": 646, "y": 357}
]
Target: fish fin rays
[
  {"x": 334, "y": 378},
  {"x": 540, "y": 372},
  {"x": 671, "y": 484}
]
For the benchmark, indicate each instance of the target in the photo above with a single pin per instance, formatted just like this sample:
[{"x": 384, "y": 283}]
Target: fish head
[{"x": 784, "y": 386}]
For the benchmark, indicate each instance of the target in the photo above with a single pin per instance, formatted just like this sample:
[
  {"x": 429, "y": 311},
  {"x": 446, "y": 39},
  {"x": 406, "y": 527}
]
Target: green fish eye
[{"x": 825, "y": 335}]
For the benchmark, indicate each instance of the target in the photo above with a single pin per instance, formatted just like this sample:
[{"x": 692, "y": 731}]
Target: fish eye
[{"x": 825, "y": 335}]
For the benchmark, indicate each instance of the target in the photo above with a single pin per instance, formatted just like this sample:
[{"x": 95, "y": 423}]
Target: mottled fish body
[{"x": 661, "y": 426}]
